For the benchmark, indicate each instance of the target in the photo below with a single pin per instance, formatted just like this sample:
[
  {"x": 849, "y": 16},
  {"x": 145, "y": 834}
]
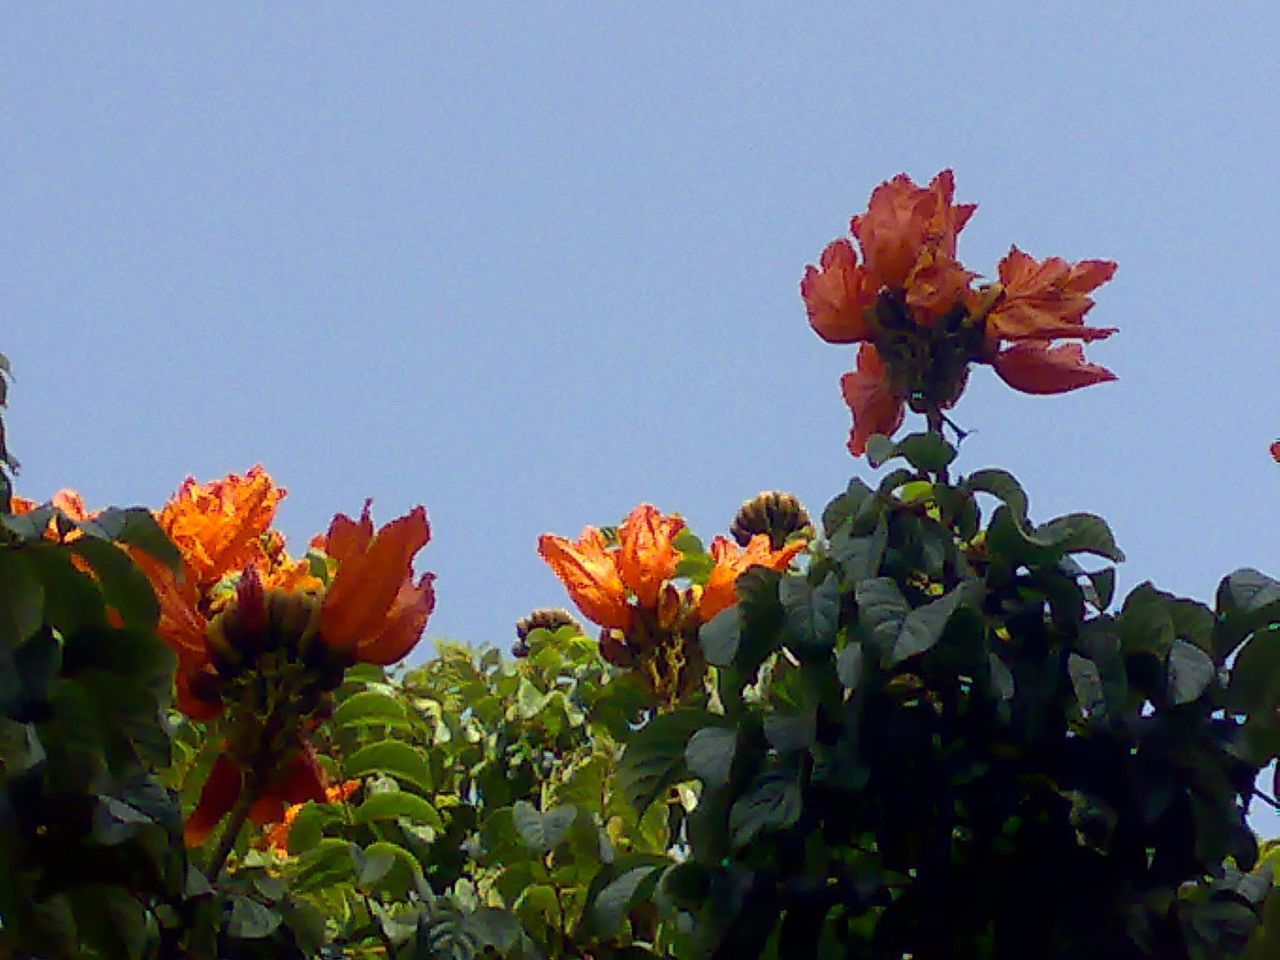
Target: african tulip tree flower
[
  {"x": 630, "y": 589},
  {"x": 276, "y": 836},
  {"x": 1275, "y": 451},
  {"x": 602, "y": 579},
  {"x": 920, "y": 322},
  {"x": 374, "y": 611},
  {"x": 720, "y": 592}
]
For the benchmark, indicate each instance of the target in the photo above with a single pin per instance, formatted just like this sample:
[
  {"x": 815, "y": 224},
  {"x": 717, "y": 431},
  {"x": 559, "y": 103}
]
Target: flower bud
[
  {"x": 772, "y": 512},
  {"x": 546, "y": 618}
]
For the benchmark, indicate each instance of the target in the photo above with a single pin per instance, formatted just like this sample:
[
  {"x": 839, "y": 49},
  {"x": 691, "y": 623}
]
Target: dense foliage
[{"x": 920, "y": 726}]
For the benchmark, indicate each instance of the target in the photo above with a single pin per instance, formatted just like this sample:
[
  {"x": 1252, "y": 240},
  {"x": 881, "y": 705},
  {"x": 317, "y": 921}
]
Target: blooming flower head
[
  {"x": 720, "y": 591},
  {"x": 920, "y": 323},
  {"x": 276, "y": 836},
  {"x": 603, "y": 580}
]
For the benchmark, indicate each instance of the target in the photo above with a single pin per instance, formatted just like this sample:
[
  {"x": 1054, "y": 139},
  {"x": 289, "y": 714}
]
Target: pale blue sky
[{"x": 533, "y": 265}]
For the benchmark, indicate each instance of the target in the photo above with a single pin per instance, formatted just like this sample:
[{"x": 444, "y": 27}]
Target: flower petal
[
  {"x": 404, "y": 623},
  {"x": 218, "y": 795},
  {"x": 367, "y": 583},
  {"x": 589, "y": 573},
  {"x": 1034, "y": 366},
  {"x": 646, "y": 556},
  {"x": 876, "y": 407},
  {"x": 837, "y": 295}
]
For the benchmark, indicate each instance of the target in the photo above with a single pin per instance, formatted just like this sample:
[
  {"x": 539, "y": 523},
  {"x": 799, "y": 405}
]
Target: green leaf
[
  {"x": 772, "y": 804},
  {"x": 542, "y": 832},
  {"x": 370, "y": 708},
  {"x": 329, "y": 862},
  {"x": 927, "y": 452},
  {"x": 396, "y": 804},
  {"x": 393, "y": 757},
  {"x": 21, "y": 597},
  {"x": 1190, "y": 671},
  {"x": 1087, "y": 682},
  {"x": 1254, "y": 688},
  {"x": 881, "y": 611},
  {"x": 137, "y": 527},
  {"x": 387, "y": 868},
  {"x": 859, "y": 556},
  {"x": 811, "y": 614},
  {"x": 790, "y": 734},
  {"x": 709, "y": 754},
  {"x": 654, "y": 757},
  {"x": 1246, "y": 601},
  {"x": 923, "y": 626},
  {"x": 849, "y": 666},
  {"x": 1002, "y": 485},
  {"x": 1001, "y": 678},
  {"x": 124, "y": 586},
  {"x": 622, "y": 893},
  {"x": 72, "y": 599},
  {"x": 251, "y": 920},
  {"x": 880, "y": 450},
  {"x": 845, "y": 507}
]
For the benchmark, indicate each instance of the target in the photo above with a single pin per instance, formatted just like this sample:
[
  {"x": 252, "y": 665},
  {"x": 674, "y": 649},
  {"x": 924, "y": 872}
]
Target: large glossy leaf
[
  {"x": 395, "y": 758},
  {"x": 811, "y": 612},
  {"x": 655, "y": 755},
  {"x": 396, "y": 804},
  {"x": 772, "y": 803}
]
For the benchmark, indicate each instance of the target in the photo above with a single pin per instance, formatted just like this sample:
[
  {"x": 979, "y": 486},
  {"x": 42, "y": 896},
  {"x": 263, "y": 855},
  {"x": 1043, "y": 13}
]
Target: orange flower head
[
  {"x": 601, "y": 579},
  {"x": 374, "y": 611},
  {"x": 218, "y": 526},
  {"x": 902, "y": 219},
  {"x": 732, "y": 561},
  {"x": 276, "y": 836},
  {"x": 69, "y": 501},
  {"x": 837, "y": 295}
]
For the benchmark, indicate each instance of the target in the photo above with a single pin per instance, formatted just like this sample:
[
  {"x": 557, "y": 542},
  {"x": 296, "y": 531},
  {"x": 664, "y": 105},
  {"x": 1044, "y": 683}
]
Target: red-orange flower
[
  {"x": 1034, "y": 366},
  {"x": 299, "y": 780},
  {"x": 601, "y": 579},
  {"x": 1275, "y": 451},
  {"x": 276, "y": 836},
  {"x": 732, "y": 561},
  {"x": 374, "y": 611},
  {"x": 902, "y": 220},
  {"x": 838, "y": 295},
  {"x": 1048, "y": 299},
  {"x": 876, "y": 407},
  {"x": 69, "y": 501},
  {"x": 218, "y": 526}
]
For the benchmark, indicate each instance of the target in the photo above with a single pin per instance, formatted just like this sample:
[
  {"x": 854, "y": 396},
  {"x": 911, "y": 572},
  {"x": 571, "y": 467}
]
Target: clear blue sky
[{"x": 532, "y": 268}]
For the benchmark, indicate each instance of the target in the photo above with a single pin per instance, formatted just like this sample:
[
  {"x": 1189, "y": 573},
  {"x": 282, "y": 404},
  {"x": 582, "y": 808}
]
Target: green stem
[{"x": 235, "y": 821}]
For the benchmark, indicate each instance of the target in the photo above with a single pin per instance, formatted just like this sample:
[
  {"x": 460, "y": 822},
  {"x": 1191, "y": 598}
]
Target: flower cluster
[
  {"x": 264, "y": 639},
  {"x": 921, "y": 321},
  {"x": 629, "y": 588}
]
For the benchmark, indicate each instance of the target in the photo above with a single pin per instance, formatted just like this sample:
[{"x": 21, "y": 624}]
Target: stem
[{"x": 235, "y": 821}]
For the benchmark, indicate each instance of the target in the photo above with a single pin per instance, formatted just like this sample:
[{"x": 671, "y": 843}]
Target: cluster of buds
[
  {"x": 263, "y": 640},
  {"x": 544, "y": 618},
  {"x": 628, "y": 586},
  {"x": 921, "y": 321},
  {"x": 778, "y": 515}
]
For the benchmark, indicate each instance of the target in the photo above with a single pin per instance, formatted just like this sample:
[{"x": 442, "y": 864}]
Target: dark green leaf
[
  {"x": 1254, "y": 688},
  {"x": 923, "y": 627},
  {"x": 395, "y": 804},
  {"x": 136, "y": 527},
  {"x": 654, "y": 757},
  {"x": 1190, "y": 671},
  {"x": 709, "y": 754},
  {"x": 849, "y": 665},
  {"x": 125, "y": 587},
  {"x": 844, "y": 507},
  {"x": 542, "y": 832},
  {"x": 621, "y": 894},
  {"x": 720, "y": 637},
  {"x": 21, "y": 597},
  {"x": 251, "y": 920},
  {"x": 881, "y": 610},
  {"x": 773, "y": 803},
  {"x": 811, "y": 613}
]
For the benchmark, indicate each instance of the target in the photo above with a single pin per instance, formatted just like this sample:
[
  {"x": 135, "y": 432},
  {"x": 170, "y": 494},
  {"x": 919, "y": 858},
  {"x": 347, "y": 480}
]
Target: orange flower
[
  {"x": 1275, "y": 451},
  {"x": 1046, "y": 300},
  {"x": 601, "y": 580},
  {"x": 299, "y": 780},
  {"x": 589, "y": 571},
  {"x": 876, "y": 407},
  {"x": 732, "y": 561},
  {"x": 218, "y": 526},
  {"x": 1033, "y": 366},
  {"x": 838, "y": 295},
  {"x": 276, "y": 836},
  {"x": 903, "y": 219},
  {"x": 373, "y": 609}
]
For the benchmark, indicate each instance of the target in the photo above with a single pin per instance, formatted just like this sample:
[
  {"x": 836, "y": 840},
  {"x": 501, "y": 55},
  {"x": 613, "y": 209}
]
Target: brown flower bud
[
  {"x": 772, "y": 512},
  {"x": 546, "y": 618}
]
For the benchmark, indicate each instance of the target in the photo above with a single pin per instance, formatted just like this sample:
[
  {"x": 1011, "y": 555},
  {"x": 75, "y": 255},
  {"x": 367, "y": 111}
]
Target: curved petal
[
  {"x": 1036, "y": 367},
  {"x": 876, "y": 407},
  {"x": 301, "y": 780},
  {"x": 720, "y": 591},
  {"x": 837, "y": 294},
  {"x": 218, "y": 795},
  {"x": 589, "y": 573},
  {"x": 1047, "y": 299},
  {"x": 404, "y": 623},
  {"x": 367, "y": 583},
  {"x": 646, "y": 556}
]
